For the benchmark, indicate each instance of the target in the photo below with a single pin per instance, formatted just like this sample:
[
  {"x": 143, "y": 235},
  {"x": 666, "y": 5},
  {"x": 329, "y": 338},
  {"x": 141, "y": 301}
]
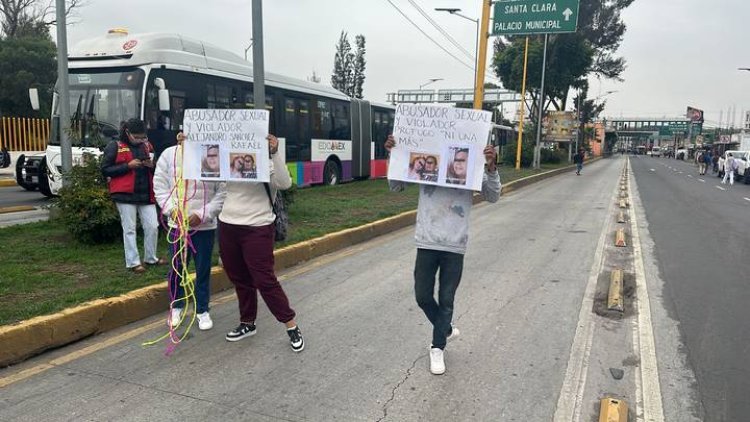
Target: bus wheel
[
  {"x": 19, "y": 174},
  {"x": 331, "y": 173},
  {"x": 44, "y": 179}
]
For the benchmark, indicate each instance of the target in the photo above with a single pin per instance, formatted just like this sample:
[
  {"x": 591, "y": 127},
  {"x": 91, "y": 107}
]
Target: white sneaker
[
  {"x": 174, "y": 318},
  {"x": 204, "y": 321},
  {"x": 454, "y": 333},
  {"x": 437, "y": 362}
]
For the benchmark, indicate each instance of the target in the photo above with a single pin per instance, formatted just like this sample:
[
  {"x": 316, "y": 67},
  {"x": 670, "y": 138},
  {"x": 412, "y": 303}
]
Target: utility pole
[
  {"x": 537, "y": 152},
  {"x": 66, "y": 148},
  {"x": 259, "y": 85},
  {"x": 482, "y": 57}
]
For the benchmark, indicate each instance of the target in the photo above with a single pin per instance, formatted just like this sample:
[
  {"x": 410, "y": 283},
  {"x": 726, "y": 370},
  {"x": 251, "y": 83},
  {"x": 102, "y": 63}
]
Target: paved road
[
  {"x": 701, "y": 236},
  {"x": 16, "y": 195},
  {"x": 527, "y": 281}
]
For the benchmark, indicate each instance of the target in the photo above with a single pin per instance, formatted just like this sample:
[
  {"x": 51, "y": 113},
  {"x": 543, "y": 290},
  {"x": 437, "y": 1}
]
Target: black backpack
[{"x": 281, "y": 223}]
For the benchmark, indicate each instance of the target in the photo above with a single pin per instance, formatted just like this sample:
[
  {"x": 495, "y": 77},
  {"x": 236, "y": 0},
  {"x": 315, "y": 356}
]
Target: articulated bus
[{"x": 326, "y": 136}]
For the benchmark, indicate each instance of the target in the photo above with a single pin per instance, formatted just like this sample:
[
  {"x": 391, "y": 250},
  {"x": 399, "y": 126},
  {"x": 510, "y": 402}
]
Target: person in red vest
[{"x": 128, "y": 165}]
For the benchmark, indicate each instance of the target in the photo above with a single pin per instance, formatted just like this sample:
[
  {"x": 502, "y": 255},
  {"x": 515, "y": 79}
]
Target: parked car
[{"x": 656, "y": 151}]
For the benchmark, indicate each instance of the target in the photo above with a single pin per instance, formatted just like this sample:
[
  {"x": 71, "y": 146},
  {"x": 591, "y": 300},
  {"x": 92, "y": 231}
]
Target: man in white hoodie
[{"x": 202, "y": 204}]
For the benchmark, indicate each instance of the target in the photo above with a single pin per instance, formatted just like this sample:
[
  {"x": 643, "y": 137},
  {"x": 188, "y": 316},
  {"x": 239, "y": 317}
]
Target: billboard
[
  {"x": 561, "y": 125},
  {"x": 695, "y": 115}
]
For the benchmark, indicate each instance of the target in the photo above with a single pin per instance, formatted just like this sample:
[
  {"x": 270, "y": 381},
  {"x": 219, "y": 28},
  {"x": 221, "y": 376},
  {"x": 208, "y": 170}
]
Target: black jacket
[
  {"x": 143, "y": 176},
  {"x": 578, "y": 158}
]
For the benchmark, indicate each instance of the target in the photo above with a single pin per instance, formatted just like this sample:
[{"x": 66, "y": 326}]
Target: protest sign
[
  {"x": 226, "y": 145},
  {"x": 440, "y": 146}
]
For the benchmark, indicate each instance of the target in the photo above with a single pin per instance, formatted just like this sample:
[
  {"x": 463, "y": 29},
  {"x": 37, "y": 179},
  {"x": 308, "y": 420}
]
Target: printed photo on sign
[
  {"x": 423, "y": 167},
  {"x": 211, "y": 163},
  {"x": 439, "y": 145},
  {"x": 242, "y": 166},
  {"x": 458, "y": 165}
]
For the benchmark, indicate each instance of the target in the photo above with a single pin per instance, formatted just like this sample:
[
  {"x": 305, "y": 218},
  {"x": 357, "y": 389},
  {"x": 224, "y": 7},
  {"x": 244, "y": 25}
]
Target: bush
[
  {"x": 527, "y": 153},
  {"x": 553, "y": 156},
  {"x": 84, "y": 205}
]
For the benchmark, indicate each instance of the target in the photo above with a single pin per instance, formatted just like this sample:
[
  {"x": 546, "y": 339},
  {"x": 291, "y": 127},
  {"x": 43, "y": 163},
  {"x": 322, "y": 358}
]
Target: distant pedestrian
[
  {"x": 707, "y": 161},
  {"x": 578, "y": 159},
  {"x": 246, "y": 237},
  {"x": 701, "y": 163},
  {"x": 203, "y": 202},
  {"x": 442, "y": 233},
  {"x": 715, "y": 162},
  {"x": 730, "y": 166},
  {"x": 128, "y": 164}
]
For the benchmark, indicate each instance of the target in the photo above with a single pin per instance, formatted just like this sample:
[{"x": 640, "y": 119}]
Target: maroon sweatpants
[{"x": 247, "y": 256}]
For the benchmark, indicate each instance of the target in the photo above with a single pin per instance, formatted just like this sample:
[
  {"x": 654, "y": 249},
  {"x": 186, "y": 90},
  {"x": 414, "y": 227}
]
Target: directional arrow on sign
[{"x": 567, "y": 12}]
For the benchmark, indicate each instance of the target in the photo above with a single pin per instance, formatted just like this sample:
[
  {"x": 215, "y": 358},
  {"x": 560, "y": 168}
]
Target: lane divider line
[{"x": 720, "y": 188}]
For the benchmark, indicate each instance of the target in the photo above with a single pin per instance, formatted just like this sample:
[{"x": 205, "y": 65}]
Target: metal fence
[{"x": 23, "y": 134}]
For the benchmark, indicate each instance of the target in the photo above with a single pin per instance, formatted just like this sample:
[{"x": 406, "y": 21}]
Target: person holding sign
[
  {"x": 128, "y": 166},
  {"x": 442, "y": 233},
  {"x": 203, "y": 202},
  {"x": 246, "y": 236}
]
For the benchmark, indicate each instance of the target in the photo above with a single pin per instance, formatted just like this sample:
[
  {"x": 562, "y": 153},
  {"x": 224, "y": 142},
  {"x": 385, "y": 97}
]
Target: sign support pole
[
  {"x": 523, "y": 106},
  {"x": 482, "y": 56},
  {"x": 537, "y": 152},
  {"x": 259, "y": 87}
]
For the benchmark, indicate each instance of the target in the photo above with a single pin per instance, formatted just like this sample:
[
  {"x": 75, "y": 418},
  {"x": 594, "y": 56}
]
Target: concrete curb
[
  {"x": 7, "y": 183},
  {"x": 31, "y": 337},
  {"x": 19, "y": 208}
]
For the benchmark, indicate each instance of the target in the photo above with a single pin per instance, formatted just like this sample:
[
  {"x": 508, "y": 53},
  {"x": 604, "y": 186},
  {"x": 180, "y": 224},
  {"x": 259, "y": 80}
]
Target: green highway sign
[{"x": 525, "y": 17}]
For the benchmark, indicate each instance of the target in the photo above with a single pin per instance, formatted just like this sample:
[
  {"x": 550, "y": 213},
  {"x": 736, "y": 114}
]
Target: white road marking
[
  {"x": 690, "y": 176},
  {"x": 701, "y": 180},
  {"x": 653, "y": 169},
  {"x": 680, "y": 172},
  {"x": 650, "y": 389},
  {"x": 746, "y": 199},
  {"x": 570, "y": 401},
  {"x": 720, "y": 188}
]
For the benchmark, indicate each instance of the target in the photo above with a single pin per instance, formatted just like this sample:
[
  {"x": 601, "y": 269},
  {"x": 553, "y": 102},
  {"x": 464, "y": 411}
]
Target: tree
[
  {"x": 18, "y": 14},
  {"x": 349, "y": 67},
  {"x": 343, "y": 49},
  {"x": 27, "y": 62},
  {"x": 359, "y": 66}
]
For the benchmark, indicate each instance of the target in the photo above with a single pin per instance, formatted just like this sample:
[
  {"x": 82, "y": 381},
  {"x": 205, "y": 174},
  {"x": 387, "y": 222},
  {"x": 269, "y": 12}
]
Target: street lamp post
[
  {"x": 455, "y": 11},
  {"x": 429, "y": 81}
]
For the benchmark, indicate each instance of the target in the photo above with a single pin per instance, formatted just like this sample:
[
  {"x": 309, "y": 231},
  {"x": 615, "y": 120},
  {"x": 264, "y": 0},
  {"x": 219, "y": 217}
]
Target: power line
[
  {"x": 441, "y": 30},
  {"x": 430, "y": 38}
]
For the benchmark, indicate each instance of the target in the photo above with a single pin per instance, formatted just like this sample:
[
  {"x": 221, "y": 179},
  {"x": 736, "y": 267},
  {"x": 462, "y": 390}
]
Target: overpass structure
[
  {"x": 452, "y": 96},
  {"x": 644, "y": 131}
]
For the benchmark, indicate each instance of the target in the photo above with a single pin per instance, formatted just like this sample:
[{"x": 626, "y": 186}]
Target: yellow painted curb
[
  {"x": 615, "y": 301},
  {"x": 7, "y": 183},
  {"x": 19, "y": 208},
  {"x": 31, "y": 337},
  {"x": 613, "y": 410},
  {"x": 620, "y": 238}
]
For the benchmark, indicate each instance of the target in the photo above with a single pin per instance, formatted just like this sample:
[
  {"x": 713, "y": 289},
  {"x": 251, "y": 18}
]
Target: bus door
[{"x": 297, "y": 128}]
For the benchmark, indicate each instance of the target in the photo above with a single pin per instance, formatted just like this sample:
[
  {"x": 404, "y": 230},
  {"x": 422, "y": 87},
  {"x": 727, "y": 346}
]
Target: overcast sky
[{"x": 679, "y": 52}]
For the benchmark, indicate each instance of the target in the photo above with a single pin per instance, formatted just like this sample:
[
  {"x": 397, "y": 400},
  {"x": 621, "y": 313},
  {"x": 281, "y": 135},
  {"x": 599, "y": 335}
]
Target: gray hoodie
[{"x": 443, "y": 213}]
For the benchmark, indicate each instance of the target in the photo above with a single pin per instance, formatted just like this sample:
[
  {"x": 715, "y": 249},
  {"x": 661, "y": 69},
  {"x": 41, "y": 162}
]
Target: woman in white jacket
[{"x": 202, "y": 204}]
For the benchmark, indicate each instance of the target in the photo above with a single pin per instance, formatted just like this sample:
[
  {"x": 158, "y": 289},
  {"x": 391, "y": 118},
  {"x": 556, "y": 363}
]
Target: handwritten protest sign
[
  {"x": 227, "y": 145},
  {"x": 440, "y": 146}
]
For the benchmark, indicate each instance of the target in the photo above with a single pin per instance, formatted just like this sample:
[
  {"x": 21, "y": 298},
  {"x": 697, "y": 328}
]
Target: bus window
[
  {"x": 322, "y": 122},
  {"x": 341, "y": 123}
]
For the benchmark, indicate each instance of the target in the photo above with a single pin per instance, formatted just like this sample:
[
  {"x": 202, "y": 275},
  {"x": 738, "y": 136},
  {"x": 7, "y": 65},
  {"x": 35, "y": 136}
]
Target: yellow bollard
[
  {"x": 615, "y": 301},
  {"x": 613, "y": 410}
]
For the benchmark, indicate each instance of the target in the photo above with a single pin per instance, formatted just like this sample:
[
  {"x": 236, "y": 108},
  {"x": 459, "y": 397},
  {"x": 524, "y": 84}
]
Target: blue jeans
[
  {"x": 203, "y": 242},
  {"x": 579, "y": 167},
  {"x": 439, "y": 313}
]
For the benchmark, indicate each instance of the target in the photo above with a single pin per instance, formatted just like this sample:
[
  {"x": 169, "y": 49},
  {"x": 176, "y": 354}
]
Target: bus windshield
[{"x": 99, "y": 102}]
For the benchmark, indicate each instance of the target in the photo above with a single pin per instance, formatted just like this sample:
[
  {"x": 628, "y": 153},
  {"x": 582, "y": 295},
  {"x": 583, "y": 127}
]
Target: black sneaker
[
  {"x": 243, "y": 330},
  {"x": 295, "y": 339}
]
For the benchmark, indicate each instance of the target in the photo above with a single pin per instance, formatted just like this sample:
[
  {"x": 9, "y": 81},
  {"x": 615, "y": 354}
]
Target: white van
[{"x": 656, "y": 151}]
